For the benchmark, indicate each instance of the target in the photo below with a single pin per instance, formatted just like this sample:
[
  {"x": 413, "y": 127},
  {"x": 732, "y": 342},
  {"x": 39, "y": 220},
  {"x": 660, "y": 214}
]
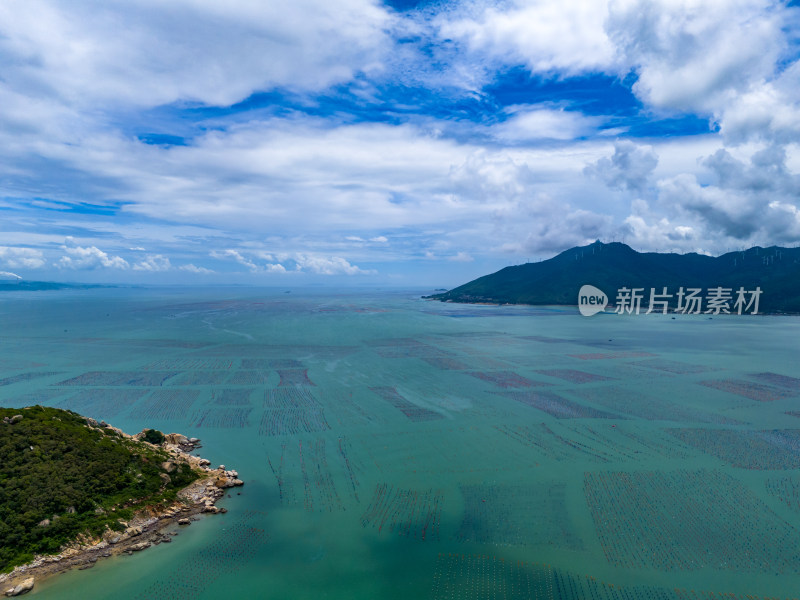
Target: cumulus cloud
[
  {"x": 21, "y": 258},
  {"x": 87, "y": 258},
  {"x": 768, "y": 112},
  {"x": 542, "y": 224},
  {"x": 692, "y": 56},
  {"x": 259, "y": 261},
  {"x": 485, "y": 176},
  {"x": 753, "y": 200},
  {"x": 151, "y": 53},
  {"x": 327, "y": 265},
  {"x": 629, "y": 168},
  {"x": 542, "y": 122},
  {"x": 191, "y": 268},
  {"x": 153, "y": 263},
  {"x": 565, "y": 36},
  {"x": 230, "y": 254},
  {"x": 648, "y": 228},
  {"x": 687, "y": 56},
  {"x": 307, "y": 173}
]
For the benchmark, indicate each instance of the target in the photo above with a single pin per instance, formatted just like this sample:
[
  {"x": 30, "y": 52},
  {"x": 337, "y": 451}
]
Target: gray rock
[
  {"x": 114, "y": 537},
  {"x": 23, "y": 588},
  {"x": 138, "y": 547},
  {"x": 134, "y": 531}
]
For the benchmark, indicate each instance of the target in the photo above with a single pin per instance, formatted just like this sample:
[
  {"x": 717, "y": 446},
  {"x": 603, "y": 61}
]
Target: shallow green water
[{"x": 397, "y": 448}]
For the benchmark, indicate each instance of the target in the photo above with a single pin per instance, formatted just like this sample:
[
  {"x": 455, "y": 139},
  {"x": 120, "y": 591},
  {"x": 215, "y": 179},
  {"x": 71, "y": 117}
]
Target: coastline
[
  {"x": 142, "y": 531},
  {"x": 670, "y": 311}
]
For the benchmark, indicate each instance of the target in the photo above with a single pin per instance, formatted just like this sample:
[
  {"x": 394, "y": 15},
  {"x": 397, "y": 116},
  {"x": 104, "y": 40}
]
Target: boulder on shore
[
  {"x": 140, "y": 546},
  {"x": 23, "y": 588},
  {"x": 176, "y": 439}
]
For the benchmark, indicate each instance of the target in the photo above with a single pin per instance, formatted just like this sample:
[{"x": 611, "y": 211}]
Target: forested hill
[
  {"x": 62, "y": 475},
  {"x": 611, "y": 267}
]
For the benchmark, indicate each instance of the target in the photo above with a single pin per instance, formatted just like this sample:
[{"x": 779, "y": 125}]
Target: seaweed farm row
[
  {"x": 307, "y": 464},
  {"x": 407, "y": 512},
  {"x": 517, "y": 515},
  {"x": 688, "y": 520},
  {"x": 229, "y": 553},
  {"x": 418, "y": 453},
  {"x": 489, "y": 577}
]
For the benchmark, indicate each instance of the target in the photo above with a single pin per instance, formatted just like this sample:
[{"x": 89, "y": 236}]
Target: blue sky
[{"x": 295, "y": 142}]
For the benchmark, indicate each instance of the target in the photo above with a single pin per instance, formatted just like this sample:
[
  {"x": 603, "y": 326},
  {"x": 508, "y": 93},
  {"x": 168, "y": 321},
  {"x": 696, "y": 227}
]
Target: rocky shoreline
[{"x": 145, "y": 529}]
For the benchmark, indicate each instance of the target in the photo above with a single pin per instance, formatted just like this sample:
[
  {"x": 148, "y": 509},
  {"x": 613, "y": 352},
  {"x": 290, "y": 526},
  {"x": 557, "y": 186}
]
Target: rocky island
[{"x": 74, "y": 490}]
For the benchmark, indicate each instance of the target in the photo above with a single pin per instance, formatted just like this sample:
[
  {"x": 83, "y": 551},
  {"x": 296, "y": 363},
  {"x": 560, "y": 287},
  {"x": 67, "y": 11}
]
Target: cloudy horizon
[{"x": 407, "y": 143}]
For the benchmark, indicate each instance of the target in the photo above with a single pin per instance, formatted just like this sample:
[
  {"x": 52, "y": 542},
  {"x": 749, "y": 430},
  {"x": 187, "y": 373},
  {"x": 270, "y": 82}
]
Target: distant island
[
  {"x": 73, "y": 490},
  {"x": 23, "y": 285},
  {"x": 775, "y": 271}
]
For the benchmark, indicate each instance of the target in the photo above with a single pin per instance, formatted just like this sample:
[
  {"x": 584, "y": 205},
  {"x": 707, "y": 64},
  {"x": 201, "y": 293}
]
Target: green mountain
[
  {"x": 62, "y": 475},
  {"x": 610, "y": 267}
]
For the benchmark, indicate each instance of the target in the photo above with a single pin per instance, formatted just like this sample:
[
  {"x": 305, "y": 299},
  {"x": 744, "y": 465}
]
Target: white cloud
[
  {"x": 152, "y": 53},
  {"x": 327, "y": 265},
  {"x": 629, "y": 168},
  {"x": 190, "y": 268},
  {"x": 153, "y": 263},
  {"x": 234, "y": 255},
  {"x": 21, "y": 258},
  {"x": 9, "y": 275},
  {"x": 230, "y": 254},
  {"x": 532, "y": 122},
  {"x": 692, "y": 55},
  {"x": 730, "y": 202},
  {"x": 730, "y": 60},
  {"x": 332, "y": 191},
  {"x": 485, "y": 176},
  {"x": 769, "y": 111},
  {"x": 274, "y": 268},
  {"x": 727, "y": 59},
  {"x": 542, "y": 224},
  {"x": 297, "y": 262},
  {"x": 79, "y": 257},
  {"x": 461, "y": 257},
  {"x": 546, "y": 36}
]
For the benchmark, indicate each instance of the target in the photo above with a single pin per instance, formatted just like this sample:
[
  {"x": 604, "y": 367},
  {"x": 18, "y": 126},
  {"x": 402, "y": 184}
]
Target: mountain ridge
[{"x": 610, "y": 267}]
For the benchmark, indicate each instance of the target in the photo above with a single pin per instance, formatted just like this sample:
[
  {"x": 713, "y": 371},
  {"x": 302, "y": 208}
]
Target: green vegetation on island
[
  {"x": 62, "y": 475},
  {"x": 610, "y": 267}
]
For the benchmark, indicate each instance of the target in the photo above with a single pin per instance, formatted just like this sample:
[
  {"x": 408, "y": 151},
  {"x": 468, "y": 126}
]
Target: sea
[{"x": 401, "y": 448}]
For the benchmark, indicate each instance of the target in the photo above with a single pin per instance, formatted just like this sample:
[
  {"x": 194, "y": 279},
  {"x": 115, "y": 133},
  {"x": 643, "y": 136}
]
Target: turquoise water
[{"x": 398, "y": 448}]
